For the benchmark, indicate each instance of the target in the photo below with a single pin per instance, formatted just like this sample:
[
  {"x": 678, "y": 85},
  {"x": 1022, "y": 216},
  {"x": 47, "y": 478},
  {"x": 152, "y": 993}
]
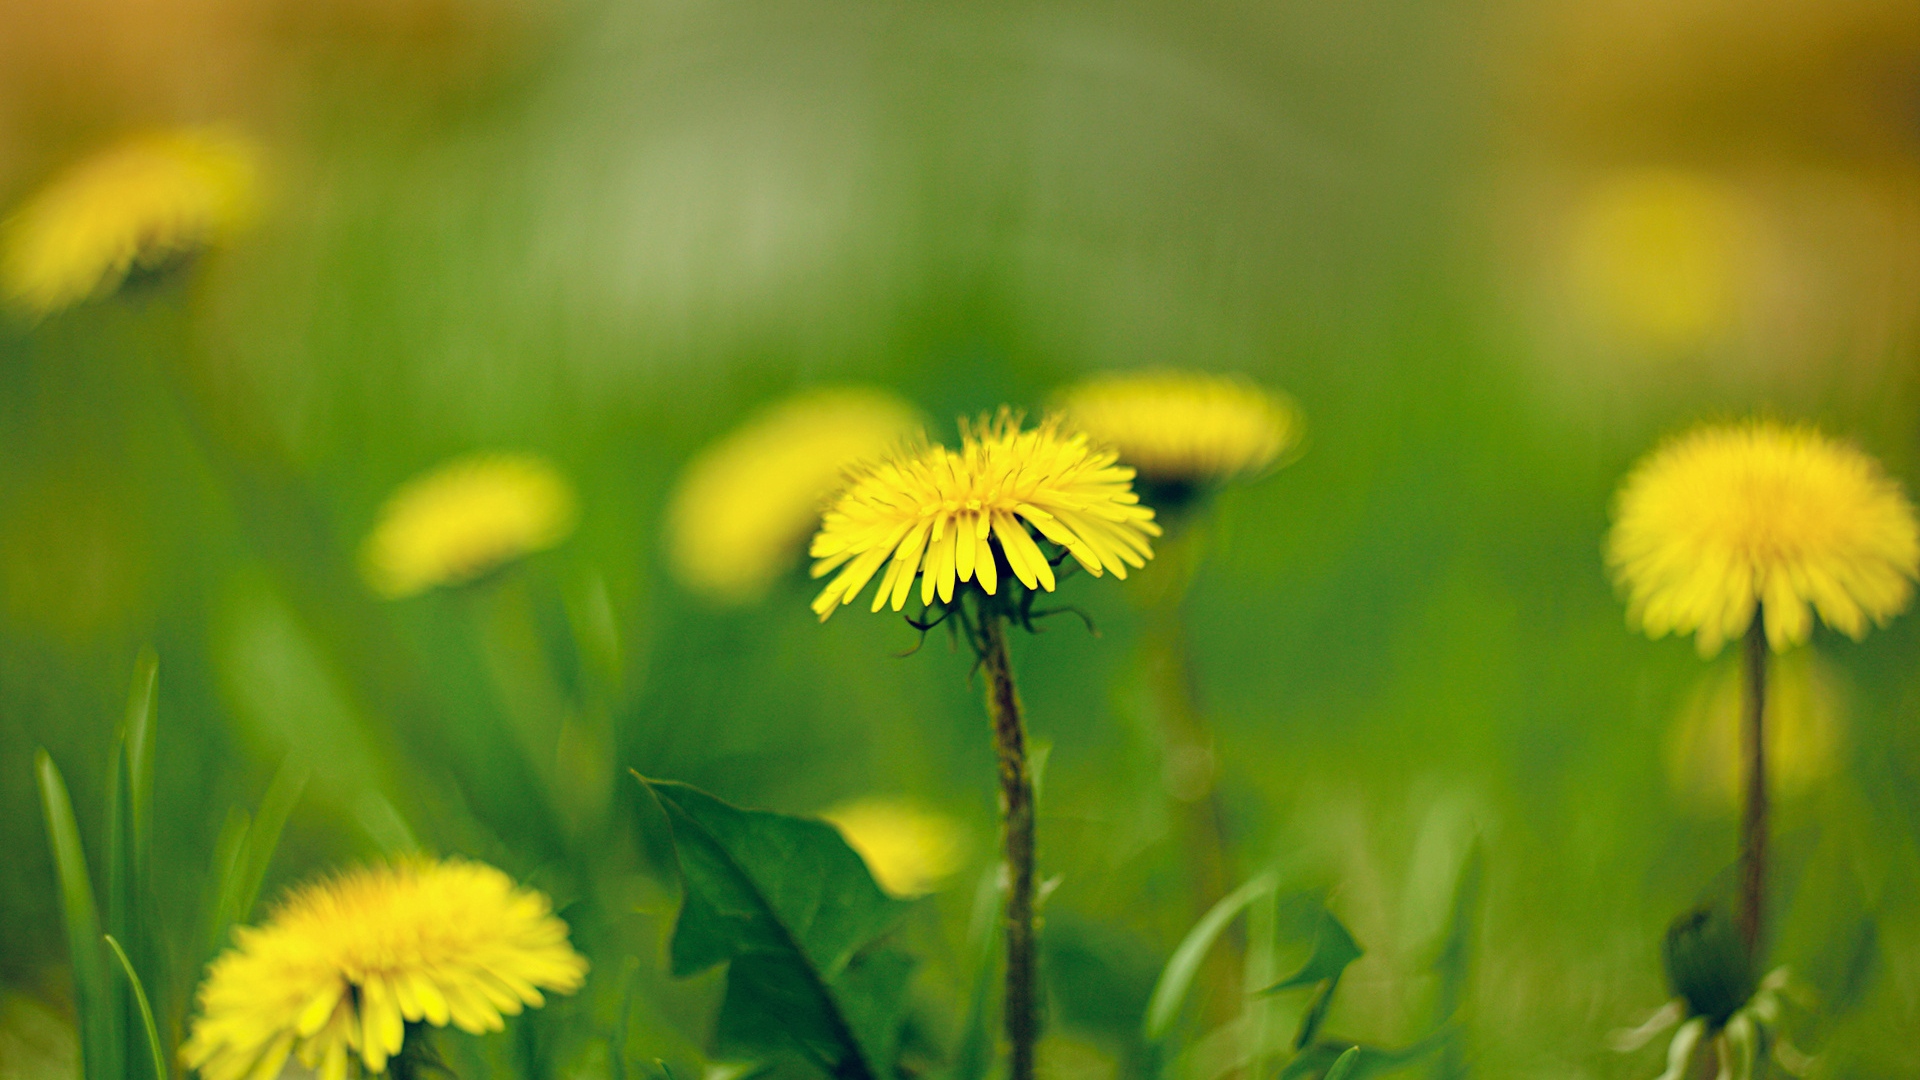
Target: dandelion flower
[
  {"x": 744, "y": 507},
  {"x": 1736, "y": 519},
  {"x": 909, "y": 850},
  {"x": 1185, "y": 428},
  {"x": 136, "y": 206},
  {"x": 345, "y": 964},
  {"x": 950, "y": 516},
  {"x": 466, "y": 518},
  {"x": 1664, "y": 257}
]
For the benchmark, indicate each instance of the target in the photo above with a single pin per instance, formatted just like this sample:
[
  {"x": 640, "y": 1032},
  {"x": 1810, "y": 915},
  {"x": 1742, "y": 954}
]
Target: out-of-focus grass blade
[
  {"x": 973, "y": 1056},
  {"x": 264, "y": 837},
  {"x": 100, "y": 1036},
  {"x": 141, "y": 715},
  {"x": 1257, "y": 1019},
  {"x": 1345, "y": 1065},
  {"x": 245, "y": 850},
  {"x": 129, "y": 825},
  {"x": 1177, "y": 978},
  {"x": 119, "y": 850},
  {"x": 1452, "y": 964},
  {"x": 229, "y": 869},
  {"x": 146, "y": 1009}
]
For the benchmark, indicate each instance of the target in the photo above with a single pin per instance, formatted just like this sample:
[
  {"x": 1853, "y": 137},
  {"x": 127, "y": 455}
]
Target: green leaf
[
  {"x": 146, "y": 1009},
  {"x": 129, "y": 837},
  {"x": 795, "y": 912},
  {"x": 1360, "y": 1062},
  {"x": 264, "y": 837},
  {"x": 1345, "y": 1065},
  {"x": 141, "y": 712},
  {"x": 1333, "y": 949},
  {"x": 1100, "y": 977},
  {"x": 245, "y": 851},
  {"x": 973, "y": 1050},
  {"x": 100, "y": 1036},
  {"x": 1177, "y": 977},
  {"x": 229, "y": 869}
]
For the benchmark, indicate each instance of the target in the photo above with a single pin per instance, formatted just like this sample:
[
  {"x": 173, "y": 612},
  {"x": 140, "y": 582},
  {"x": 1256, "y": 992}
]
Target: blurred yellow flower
[
  {"x": 943, "y": 515},
  {"x": 345, "y": 963},
  {"x": 139, "y": 205},
  {"x": 744, "y": 507},
  {"x": 1184, "y": 427},
  {"x": 465, "y": 518},
  {"x": 1661, "y": 256},
  {"x": 1733, "y": 518},
  {"x": 1805, "y": 732},
  {"x": 910, "y": 850}
]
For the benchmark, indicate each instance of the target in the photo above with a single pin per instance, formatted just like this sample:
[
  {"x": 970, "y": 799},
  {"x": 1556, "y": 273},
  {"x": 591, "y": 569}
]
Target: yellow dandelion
[
  {"x": 952, "y": 516},
  {"x": 344, "y": 964},
  {"x": 464, "y": 519},
  {"x": 744, "y": 507},
  {"x": 1185, "y": 428},
  {"x": 1664, "y": 257},
  {"x": 910, "y": 850},
  {"x": 1733, "y": 520},
  {"x": 139, "y": 205}
]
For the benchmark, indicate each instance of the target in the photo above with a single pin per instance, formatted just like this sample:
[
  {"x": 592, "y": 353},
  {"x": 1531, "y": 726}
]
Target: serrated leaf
[{"x": 795, "y": 912}]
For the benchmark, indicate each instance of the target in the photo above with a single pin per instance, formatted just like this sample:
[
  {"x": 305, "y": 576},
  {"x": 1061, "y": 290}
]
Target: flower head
[
  {"x": 948, "y": 516},
  {"x": 138, "y": 205},
  {"x": 1185, "y": 428},
  {"x": 909, "y": 849},
  {"x": 465, "y": 518},
  {"x": 744, "y": 507},
  {"x": 1731, "y": 519},
  {"x": 1719, "y": 1003},
  {"x": 346, "y": 963}
]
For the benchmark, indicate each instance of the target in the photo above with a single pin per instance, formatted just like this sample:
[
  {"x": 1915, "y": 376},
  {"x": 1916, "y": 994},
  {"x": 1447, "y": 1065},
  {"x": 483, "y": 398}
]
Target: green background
[{"x": 606, "y": 232}]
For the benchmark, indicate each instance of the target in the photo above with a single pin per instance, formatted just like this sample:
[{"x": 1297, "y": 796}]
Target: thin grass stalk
[{"x": 1016, "y": 806}]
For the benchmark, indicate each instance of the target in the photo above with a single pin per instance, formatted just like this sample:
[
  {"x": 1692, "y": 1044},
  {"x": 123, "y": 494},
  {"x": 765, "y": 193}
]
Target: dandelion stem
[
  {"x": 1753, "y": 816},
  {"x": 1016, "y": 807}
]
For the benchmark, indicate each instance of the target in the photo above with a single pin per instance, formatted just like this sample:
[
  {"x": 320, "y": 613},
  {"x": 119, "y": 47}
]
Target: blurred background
[{"x": 1495, "y": 250}]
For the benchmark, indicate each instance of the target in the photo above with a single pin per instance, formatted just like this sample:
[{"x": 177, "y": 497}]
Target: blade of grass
[
  {"x": 122, "y": 910},
  {"x": 99, "y": 1034},
  {"x": 263, "y": 838},
  {"x": 146, "y": 1009},
  {"x": 1263, "y": 932},
  {"x": 973, "y": 1056},
  {"x": 135, "y": 925},
  {"x": 229, "y": 867},
  {"x": 119, "y": 851},
  {"x": 1175, "y": 980},
  {"x": 142, "y": 713},
  {"x": 1345, "y": 1065}
]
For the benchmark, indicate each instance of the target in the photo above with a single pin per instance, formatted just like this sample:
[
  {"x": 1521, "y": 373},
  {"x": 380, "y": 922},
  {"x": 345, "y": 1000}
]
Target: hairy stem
[
  {"x": 1753, "y": 816},
  {"x": 1016, "y": 809}
]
